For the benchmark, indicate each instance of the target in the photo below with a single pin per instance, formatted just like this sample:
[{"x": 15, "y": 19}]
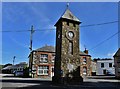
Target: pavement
[{"x": 95, "y": 82}]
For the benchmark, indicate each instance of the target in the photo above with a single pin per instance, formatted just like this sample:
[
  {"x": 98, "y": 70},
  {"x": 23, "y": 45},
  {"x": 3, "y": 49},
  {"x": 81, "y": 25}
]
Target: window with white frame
[
  {"x": 43, "y": 70},
  {"x": 84, "y": 60},
  {"x": 44, "y": 58}
]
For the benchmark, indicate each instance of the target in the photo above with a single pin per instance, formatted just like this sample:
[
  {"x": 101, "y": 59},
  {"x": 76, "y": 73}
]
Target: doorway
[{"x": 104, "y": 72}]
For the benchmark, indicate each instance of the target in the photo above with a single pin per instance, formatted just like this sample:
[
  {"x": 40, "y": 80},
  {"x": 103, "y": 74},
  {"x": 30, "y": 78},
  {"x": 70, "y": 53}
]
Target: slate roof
[
  {"x": 103, "y": 59},
  {"x": 84, "y": 54},
  {"x": 46, "y": 49},
  {"x": 22, "y": 64},
  {"x": 68, "y": 15},
  {"x": 7, "y": 67},
  {"x": 117, "y": 53}
]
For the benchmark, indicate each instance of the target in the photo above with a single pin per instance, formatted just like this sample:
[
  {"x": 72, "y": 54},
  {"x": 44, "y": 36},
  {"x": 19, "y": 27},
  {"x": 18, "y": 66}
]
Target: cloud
[{"x": 110, "y": 54}]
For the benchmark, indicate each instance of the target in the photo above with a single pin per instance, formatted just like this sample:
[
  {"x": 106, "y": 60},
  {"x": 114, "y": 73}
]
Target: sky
[
  {"x": 19, "y": 16},
  {"x": 119, "y": 25}
]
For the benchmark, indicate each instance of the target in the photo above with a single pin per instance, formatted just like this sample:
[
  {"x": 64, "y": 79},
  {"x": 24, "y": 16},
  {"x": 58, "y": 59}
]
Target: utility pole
[
  {"x": 32, "y": 31},
  {"x": 31, "y": 34},
  {"x": 14, "y": 59}
]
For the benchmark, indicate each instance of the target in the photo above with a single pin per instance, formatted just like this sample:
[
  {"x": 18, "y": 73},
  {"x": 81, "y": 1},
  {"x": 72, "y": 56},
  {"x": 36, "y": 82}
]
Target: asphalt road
[{"x": 37, "y": 83}]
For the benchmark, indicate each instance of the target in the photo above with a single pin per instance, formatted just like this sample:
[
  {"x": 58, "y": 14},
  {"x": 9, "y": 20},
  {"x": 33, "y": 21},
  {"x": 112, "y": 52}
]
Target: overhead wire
[
  {"x": 80, "y": 26},
  {"x": 104, "y": 40},
  {"x": 54, "y": 29},
  {"x": 100, "y": 24}
]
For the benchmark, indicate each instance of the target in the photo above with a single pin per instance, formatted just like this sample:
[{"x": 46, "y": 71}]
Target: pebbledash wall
[{"x": 41, "y": 62}]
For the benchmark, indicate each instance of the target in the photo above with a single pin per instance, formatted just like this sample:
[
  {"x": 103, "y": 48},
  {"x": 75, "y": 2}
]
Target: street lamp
[{"x": 14, "y": 59}]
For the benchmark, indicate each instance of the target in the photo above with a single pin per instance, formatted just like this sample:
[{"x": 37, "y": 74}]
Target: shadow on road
[
  {"x": 85, "y": 85},
  {"x": 47, "y": 84},
  {"x": 102, "y": 77},
  {"x": 27, "y": 81}
]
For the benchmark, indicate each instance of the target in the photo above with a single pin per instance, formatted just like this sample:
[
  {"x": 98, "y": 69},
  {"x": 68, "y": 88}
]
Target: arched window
[
  {"x": 70, "y": 49},
  {"x": 84, "y": 71},
  {"x": 84, "y": 60}
]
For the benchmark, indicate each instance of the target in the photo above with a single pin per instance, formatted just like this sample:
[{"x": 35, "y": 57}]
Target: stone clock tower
[{"x": 67, "y": 61}]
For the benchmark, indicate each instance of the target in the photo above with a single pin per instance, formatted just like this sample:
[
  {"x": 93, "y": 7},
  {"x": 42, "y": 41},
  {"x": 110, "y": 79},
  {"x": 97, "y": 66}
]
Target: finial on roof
[
  {"x": 85, "y": 51},
  {"x": 67, "y": 5}
]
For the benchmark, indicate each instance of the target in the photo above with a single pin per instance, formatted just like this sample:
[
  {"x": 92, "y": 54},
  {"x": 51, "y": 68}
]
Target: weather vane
[{"x": 67, "y": 5}]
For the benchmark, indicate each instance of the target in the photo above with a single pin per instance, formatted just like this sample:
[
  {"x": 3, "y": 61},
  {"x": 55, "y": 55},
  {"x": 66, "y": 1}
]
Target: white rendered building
[{"x": 105, "y": 67}]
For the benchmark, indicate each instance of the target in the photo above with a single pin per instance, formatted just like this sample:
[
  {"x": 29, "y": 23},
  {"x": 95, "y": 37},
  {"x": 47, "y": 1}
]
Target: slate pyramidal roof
[{"x": 69, "y": 16}]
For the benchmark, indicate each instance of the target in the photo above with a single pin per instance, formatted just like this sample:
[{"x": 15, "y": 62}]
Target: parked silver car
[{"x": 18, "y": 73}]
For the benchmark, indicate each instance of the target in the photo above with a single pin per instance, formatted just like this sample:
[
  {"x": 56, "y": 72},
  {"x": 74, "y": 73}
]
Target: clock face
[{"x": 70, "y": 34}]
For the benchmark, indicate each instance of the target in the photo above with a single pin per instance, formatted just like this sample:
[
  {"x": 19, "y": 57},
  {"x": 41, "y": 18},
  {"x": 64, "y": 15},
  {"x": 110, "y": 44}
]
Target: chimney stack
[{"x": 86, "y": 51}]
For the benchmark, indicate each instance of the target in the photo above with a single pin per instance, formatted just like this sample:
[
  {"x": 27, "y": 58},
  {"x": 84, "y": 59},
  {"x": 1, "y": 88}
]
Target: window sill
[{"x": 42, "y": 74}]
